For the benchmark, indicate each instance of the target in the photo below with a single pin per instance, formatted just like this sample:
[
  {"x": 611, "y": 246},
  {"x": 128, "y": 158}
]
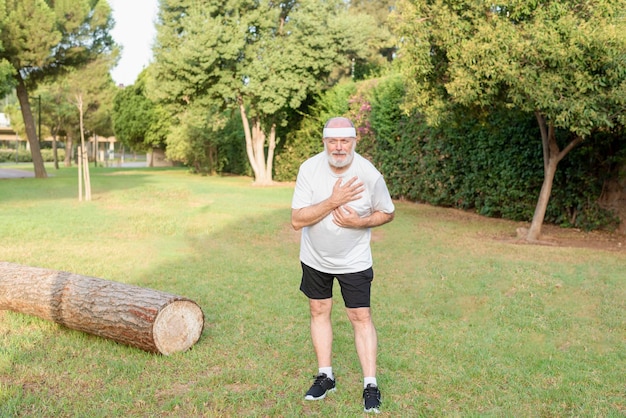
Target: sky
[{"x": 134, "y": 30}]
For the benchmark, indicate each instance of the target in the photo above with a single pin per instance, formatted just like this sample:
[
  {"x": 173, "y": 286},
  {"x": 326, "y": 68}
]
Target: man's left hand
[{"x": 347, "y": 217}]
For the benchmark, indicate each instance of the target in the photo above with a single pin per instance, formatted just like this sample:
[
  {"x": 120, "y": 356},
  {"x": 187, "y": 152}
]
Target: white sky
[{"x": 134, "y": 30}]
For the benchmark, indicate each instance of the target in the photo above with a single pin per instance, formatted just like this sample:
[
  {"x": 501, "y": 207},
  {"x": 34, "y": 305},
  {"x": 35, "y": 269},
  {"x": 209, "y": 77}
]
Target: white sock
[
  {"x": 369, "y": 381},
  {"x": 328, "y": 371}
]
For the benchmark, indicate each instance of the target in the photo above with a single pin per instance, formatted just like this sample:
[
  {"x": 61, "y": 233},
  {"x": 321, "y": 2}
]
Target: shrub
[
  {"x": 307, "y": 140},
  {"x": 487, "y": 161},
  {"x": 24, "y": 156}
]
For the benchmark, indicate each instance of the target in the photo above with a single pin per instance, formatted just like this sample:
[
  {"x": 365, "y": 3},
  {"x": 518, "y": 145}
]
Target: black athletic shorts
[{"x": 355, "y": 287}]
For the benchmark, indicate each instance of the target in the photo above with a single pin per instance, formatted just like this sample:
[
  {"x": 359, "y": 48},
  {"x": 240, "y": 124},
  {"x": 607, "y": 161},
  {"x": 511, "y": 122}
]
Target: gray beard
[{"x": 339, "y": 164}]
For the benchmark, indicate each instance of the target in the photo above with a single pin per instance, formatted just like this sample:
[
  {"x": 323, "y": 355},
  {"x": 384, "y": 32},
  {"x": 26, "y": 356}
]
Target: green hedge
[
  {"x": 490, "y": 162},
  {"x": 487, "y": 161},
  {"x": 306, "y": 141},
  {"x": 7, "y": 155}
]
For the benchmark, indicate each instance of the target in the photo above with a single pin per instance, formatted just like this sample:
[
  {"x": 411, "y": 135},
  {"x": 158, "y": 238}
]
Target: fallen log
[{"x": 148, "y": 319}]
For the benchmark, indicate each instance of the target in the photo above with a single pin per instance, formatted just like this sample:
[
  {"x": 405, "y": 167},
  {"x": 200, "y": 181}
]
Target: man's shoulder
[
  {"x": 365, "y": 165},
  {"x": 313, "y": 161}
]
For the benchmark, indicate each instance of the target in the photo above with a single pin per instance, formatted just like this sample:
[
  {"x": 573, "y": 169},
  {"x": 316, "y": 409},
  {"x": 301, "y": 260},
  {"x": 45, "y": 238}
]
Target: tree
[
  {"x": 6, "y": 70},
  {"x": 137, "y": 120},
  {"x": 383, "y": 45},
  {"x": 58, "y": 115},
  {"x": 91, "y": 91},
  {"x": 6, "y": 77},
  {"x": 261, "y": 58},
  {"x": 561, "y": 60},
  {"x": 42, "y": 39}
]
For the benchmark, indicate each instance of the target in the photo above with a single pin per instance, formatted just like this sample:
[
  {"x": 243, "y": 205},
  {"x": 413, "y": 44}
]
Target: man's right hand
[{"x": 347, "y": 192}]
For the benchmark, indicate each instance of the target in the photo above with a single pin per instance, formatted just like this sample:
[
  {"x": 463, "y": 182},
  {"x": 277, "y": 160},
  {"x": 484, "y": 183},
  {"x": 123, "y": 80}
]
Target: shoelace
[
  {"x": 371, "y": 392},
  {"x": 319, "y": 379}
]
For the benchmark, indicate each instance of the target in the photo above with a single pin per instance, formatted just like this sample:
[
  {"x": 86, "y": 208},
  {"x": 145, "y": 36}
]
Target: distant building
[{"x": 4, "y": 120}]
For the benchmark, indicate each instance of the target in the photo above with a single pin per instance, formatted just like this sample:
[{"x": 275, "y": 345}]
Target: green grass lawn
[{"x": 468, "y": 325}]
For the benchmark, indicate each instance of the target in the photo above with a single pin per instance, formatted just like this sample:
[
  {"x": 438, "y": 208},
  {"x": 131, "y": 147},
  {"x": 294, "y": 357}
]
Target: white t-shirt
[{"x": 326, "y": 246}]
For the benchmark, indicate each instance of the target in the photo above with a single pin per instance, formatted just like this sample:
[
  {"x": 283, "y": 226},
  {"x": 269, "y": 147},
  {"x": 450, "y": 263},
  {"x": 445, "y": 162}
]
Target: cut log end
[{"x": 177, "y": 327}]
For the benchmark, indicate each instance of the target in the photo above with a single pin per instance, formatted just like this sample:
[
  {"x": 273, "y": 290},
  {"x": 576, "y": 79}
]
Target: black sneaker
[
  {"x": 371, "y": 399},
  {"x": 322, "y": 385}
]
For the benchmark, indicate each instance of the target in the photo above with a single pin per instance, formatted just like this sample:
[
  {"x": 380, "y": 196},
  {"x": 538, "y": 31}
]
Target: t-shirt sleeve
[
  {"x": 302, "y": 193},
  {"x": 381, "y": 199}
]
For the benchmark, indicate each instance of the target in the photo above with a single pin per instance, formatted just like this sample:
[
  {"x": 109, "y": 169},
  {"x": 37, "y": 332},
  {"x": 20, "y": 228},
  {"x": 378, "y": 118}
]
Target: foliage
[
  {"x": 42, "y": 40},
  {"x": 465, "y": 165},
  {"x": 138, "y": 122},
  {"x": 8, "y": 155},
  {"x": 262, "y": 58},
  {"x": 561, "y": 61},
  {"x": 59, "y": 116},
  {"x": 93, "y": 81},
  {"x": 24, "y": 156},
  {"x": 382, "y": 43},
  {"x": 398, "y": 138},
  {"x": 6, "y": 77},
  {"x": 583, "y": 179},
  {"x": 207, "y": 142},
  {"x": 306, "y": 141}
]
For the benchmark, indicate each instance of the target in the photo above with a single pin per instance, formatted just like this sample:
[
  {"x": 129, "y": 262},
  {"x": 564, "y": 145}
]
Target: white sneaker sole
[{"x": 311, "y": 398}]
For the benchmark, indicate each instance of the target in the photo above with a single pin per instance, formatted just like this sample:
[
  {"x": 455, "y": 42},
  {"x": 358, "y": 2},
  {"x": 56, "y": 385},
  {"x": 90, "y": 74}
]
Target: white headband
[{"x": 339, "y": 133}]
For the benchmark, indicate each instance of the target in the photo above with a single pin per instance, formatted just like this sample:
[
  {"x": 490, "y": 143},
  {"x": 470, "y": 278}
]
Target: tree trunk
[
  {"x": 551, "y": 158},
  {"x": 55, "y": 152},
  {"x": 69, "y": 149},
  {"x": 258, "y": 142},
  {"x": 95, "y": 150},
  {"x": 31, "y": 132},
  {"x": 85, "y": 171},
  {"x": 248, "y": 136},
  {"x": 148, "y": 319},
  {"x": 79, "y": 151},
  {"x": 534, "y": 232},
  {"x": 269, "y": 166},
  {"x": 255, "y": 148}
]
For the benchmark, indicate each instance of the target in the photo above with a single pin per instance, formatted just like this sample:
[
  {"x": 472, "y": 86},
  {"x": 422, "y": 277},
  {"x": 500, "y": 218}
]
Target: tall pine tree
[{"x": 42, "y": 39}]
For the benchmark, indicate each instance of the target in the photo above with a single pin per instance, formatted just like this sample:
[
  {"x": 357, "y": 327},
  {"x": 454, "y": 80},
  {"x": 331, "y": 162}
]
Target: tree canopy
[
  {"x": 41, "y": 40},
  {"x": 261, "y": 58},
  {"x": 563, "y": 61},
  {"x": 137, "y": 121}
]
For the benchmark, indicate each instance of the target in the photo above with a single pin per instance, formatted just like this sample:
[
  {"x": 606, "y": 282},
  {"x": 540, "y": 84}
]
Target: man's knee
[
  {"x": 359, "y": 315},
  {"x": 320, "y": 307}
]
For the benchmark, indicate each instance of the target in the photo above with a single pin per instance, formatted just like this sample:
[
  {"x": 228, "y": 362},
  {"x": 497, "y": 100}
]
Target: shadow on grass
[{"x": 63, "y": 184}]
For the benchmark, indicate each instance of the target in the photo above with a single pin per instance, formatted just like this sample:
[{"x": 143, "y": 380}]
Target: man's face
[{"x": 340, "y": 151}]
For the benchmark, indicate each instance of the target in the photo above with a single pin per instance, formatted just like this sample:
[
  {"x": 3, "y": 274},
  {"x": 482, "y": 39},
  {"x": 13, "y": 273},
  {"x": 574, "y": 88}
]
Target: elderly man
[{"x": 339, "y": 196}]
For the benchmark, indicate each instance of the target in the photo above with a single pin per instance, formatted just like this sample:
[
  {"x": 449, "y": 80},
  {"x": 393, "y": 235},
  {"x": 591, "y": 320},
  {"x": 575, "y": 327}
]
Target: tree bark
[
  {"x": 255, "y": 148},
  {"x": 69, "y": 150},
  {"x": 248, "y": 136},
  {"x": 148, "y": 319},
  {"x": 31, "y": 132},
  {"x": 258, "y": 141},
  {"x": 85, "y": 170},
  {"x": 270, "y": 154},
  {"x": 552, "y": 155}
]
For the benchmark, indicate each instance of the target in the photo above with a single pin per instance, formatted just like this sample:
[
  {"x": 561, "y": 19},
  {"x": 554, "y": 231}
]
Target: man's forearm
[
  {"x": 377, "y": 218},
  {"x": 311, "y": 215}
]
